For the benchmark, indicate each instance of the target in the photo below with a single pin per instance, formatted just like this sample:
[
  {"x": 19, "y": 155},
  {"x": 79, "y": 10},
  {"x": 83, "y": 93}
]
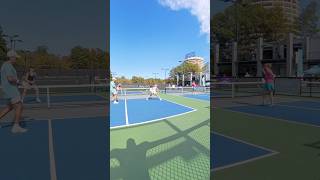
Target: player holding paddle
[
  {"x": 10, "y": 83},
  {"x": 154, "y": 91},
  {"x": 114, "y": 92},
  {"x": 30, "y": 83},
  {"x": 268, "y": 78}
]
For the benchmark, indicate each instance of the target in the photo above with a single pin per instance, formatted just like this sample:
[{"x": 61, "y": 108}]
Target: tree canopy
[
  {"x": 247, "y": 22},
  {"x": 3, "y": 46},
  {"x": 185, "y": 68},
  {"x": 308, "y": 22}
]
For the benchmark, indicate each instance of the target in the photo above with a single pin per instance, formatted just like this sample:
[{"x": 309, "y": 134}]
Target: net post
[
  {"x": 48, "y": 97},
  {"x": 300, "y": 87},
  {"x": 310, "y": 90},
  {"x": 233, "y": 90}
]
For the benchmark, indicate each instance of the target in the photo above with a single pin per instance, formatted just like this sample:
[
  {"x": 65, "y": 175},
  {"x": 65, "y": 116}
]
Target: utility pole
[
  {"x": 165, "y": 74},
  {"x": 155, "y": 75},
  {"x": 13, "y": 39},
  {"x": 183, "y": 83}
]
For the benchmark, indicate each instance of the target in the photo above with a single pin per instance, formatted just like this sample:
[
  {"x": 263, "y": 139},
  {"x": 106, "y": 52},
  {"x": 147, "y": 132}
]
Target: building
[
  {"x": 195, "y": 60},
  {"x": 291, "y": 8}
]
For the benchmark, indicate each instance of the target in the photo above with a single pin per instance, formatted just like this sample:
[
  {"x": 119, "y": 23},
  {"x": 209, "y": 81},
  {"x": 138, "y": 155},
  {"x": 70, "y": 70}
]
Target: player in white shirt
[{"x": 154, "y": 91}]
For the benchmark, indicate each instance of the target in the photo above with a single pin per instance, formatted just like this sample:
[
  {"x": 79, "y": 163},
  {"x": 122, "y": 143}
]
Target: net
[
  {"x": 133, "y": 91},
  {"x": 236, "y": 89},
  {"x": 311, "y": 89},
  {"x": 51, "y": 95},
  {"x": 287, "y": 86}
]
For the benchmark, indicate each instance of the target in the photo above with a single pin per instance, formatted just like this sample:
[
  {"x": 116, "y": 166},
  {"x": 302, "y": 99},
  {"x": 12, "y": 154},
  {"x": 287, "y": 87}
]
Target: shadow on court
[
  {"x": 134, "y": 164},
  {"x": 314, "y": 145}
]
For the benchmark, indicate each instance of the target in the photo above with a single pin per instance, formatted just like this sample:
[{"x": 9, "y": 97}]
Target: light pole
[
  {"x": 25, "y": 52},
  {"x": 155, "y": 75},
  {"x": 13, "y": 39},
  {"x": 165, "y": 74},
  {"x": 182, "y": 71},
  {"x": 113, "y": 74},
  {"x": 235, "y": 2}
]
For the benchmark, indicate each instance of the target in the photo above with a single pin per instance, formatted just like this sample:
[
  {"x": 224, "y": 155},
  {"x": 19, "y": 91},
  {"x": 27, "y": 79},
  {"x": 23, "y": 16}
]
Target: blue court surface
[
  {"x": 139, "y": 111},
  {"x": 78, "y": 146},
  {"x": 306, "y": 112},
  {"x": 205, "y": 97},
  {"x": 60, "y": 99},
  {"x": 227, "y": 152}
]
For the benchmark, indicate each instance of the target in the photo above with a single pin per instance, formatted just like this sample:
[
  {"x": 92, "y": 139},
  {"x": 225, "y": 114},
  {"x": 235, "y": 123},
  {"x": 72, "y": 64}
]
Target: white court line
[
  {"x": 277, "y": 119},
  {"x": 272, "y": 153},
  {"x": 299, "y": 107},
  {"x": 53, "y": 172},
  {"x": 126, "y": 111},
  {"x": 197, "y": 98},
  {"x": 159, "y": 119},
  {"x": 202, "y": 100}
]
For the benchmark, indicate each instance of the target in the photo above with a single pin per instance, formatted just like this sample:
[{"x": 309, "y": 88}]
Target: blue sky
[
  {"x": 58, "y": 24},
  {"x": 146, "y": 36}
]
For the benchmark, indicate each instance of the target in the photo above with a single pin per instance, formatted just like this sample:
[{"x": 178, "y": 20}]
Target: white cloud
[{"x": 198, "y": 8}]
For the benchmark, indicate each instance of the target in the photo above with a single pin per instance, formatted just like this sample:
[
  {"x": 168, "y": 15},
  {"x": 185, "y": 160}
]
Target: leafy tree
[
  {"x": 137, "y": 80},
  {"x": 79, "y": 58},
  {"x": 308, "y": 22},
  {"x": 123, "y": 80},
  {"x": 184, "y": 68},
  {"x": 253, "y": 21},
  {"x": 42, "y": 50},
  {"x": 3, "y": 46}
]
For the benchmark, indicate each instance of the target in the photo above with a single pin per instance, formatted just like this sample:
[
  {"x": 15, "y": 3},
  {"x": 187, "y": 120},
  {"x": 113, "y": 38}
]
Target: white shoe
[
  {"x": 147, "y": 99},
  {"x": 160, "y": 99},
  {"x": 115, "y": 102},
  {"x": 18, "y": 129},
  {"x": 38, "y": 100}
]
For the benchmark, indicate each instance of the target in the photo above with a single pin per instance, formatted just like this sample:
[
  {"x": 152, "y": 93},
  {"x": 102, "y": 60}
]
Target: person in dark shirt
[{"x": 30, "y": 83}]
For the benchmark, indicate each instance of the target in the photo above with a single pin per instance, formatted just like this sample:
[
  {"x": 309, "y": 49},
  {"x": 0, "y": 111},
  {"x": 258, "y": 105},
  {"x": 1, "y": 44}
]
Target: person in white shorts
[
  {"x": 30, "y": 83},
  {"x": 114, "y": 92},
  {"x": 154, "y": 91},
  {"x": 10, "y": 83}
]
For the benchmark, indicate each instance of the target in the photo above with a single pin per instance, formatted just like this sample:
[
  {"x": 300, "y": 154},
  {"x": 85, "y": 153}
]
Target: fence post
[{"x": 48, "y": 97}]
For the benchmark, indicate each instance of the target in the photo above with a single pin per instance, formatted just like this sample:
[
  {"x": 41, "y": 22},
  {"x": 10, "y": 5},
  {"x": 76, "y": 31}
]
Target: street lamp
[
  {"x": 235, "y": 2},
  {"x": 165, "y": 74},
  {"x": 155, "y": 75},
  {"x": 25, "y": 52},
  {"x": 181, "y": 61},
  {"x": 13, "y": 39}
]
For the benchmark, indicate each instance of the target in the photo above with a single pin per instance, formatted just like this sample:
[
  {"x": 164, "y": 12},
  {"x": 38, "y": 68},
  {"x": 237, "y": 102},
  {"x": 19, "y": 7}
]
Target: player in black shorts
[{"x": 30, "y": 83}]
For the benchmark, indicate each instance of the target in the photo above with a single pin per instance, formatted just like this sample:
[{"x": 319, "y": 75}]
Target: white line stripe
[
  {"x": 202, "y": 100},
  {"x": 179, "y": 104},
  {"x": 53, "y": 173},
  {"x": 277, "y": 119},
  {"x": 299, "y": 107},
  {"x": 126, "y": 111},
  {"x": 272, "y": 153},
  {"x": 196, "y": 98},
  {"x": 146, "y": 122},
  {"x": 243, "y": 162},
  {"x": 244, "y": 142}
]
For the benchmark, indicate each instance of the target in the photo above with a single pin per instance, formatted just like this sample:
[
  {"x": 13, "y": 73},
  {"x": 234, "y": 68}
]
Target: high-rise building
[
  {"x": 195, "y": 60},
  {"x": 291, "y": 8}
]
